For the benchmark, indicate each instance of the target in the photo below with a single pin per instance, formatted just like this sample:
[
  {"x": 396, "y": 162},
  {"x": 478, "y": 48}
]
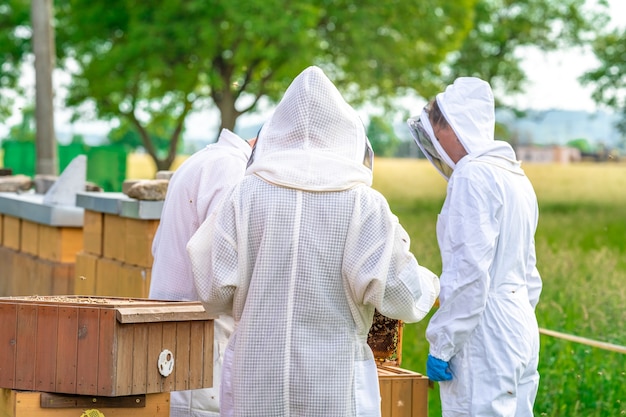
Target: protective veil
[
  {"x": 486, "y": 325},
  {"x": 193, "y": 194},
  {"x": 302, "y": 252}
]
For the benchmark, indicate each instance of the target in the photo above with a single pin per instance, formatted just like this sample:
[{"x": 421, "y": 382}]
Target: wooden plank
[
  {"x": 170, "y": 312},
  {"x": 139, "y": 235},
  {"x": 207, "y": 371},
  {"x": 420, "y": 396},
  {"x": 60, "y": 244},
  {"x": 401, "y": 397},
  {"x": 169, "y": 342},
  {"x": 11, "y": 232},
  {"x": 8, "y": 339},
  {"x": 87, "y": 350},
  {"x": 134, "y": 281},
  {"x": 196, "y": 353},
  {"x": 6, "y": 272},
  {"x": 183, "y": 339},
  {"x": 140, "y": 359},
  {"x": 50, "y": 400},
  {"x": 107, "y": 277},
  {"x": 85, "y": 274},
  {"x": 385, "y": 395},
  {"x": 62, "y": 277},
  {"x": 113, "y": 243},
  {"x": 124, "y": 356},
  {"x": 46, "y": 349},
  {"x": 107, "y": 350},
  {"x": 24, "y": 280},
  {"x": 28, "y": 404},
  {"x": 154, "y": 380},
  {"x": 26, "y": 341},
  {"x": 92, "y": 232},
  {"x": 67, "y": 348},
  {"x": 29, "y": 237}
]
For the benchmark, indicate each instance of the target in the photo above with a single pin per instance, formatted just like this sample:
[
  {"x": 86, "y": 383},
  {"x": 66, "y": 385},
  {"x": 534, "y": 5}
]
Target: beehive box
[
  {"x": 104, "y": 346},
  {"x": 404, "y": 393},
  {"x": 41, "y": 404}
]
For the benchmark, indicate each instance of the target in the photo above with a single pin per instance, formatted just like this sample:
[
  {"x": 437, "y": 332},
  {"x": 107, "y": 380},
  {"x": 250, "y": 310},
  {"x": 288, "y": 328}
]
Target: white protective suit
[
  {"x": 302, "y": 252},
  {"x": 193, "y": 194},
  {"x": 486, "y": 326}
]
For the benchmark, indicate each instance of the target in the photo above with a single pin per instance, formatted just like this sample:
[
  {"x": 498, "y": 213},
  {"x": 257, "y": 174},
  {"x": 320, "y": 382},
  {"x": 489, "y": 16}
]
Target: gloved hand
[{"x": 438, "y": 370}]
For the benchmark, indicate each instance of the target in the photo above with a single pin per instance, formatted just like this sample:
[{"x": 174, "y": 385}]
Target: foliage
[
  {"x": 581, "y": 144},
  {"x": 24, "y": 131},
  {"x": 382, "y": 137},
  {"x": 502, "y": 28},
  {"x": 14, "y": 45},
  {"x": 168, "y": 57},
  {"x": 609, "y": 78},
  {"x": 158, "y": 131}
]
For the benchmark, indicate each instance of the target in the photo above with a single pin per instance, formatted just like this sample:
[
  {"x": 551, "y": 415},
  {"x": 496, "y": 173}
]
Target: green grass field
[{"x": 581, "y": 250}]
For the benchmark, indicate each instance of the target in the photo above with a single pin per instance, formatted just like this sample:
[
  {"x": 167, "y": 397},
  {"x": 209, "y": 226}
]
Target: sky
[{"x": 552, "y": 84}]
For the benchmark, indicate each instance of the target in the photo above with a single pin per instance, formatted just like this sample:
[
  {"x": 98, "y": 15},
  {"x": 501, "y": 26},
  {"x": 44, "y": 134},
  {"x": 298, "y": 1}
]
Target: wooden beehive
[
  {"x": 404, "y": 393},
  {"x": 104, "y": 346}
]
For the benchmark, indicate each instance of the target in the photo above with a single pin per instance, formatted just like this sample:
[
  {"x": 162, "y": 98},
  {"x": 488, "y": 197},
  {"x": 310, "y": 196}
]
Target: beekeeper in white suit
[
  {"x": 302, "y": 253},
  {"x": 484, "y": 339},
  {"x": 193, "y": 193}
]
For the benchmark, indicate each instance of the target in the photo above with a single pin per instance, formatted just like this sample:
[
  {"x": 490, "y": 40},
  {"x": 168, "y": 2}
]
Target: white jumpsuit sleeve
[
  {"x": 215, "y": 278},
  {"x": 382, "y": 270},
  {"x": 533, "y": 279},
  {"x": 470, "y": 233}
]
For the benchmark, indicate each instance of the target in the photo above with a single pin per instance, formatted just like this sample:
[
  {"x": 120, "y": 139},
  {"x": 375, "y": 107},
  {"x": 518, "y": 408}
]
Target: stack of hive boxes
[
  {"x": 38, "y": 245},
  {"x": 116, "y": 255}
]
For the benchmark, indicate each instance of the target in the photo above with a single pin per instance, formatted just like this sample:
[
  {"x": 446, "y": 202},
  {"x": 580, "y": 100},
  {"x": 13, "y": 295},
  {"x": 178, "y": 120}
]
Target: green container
[
  {"x": 19, "y": 157},
  {"x": 68, "y": 152}
]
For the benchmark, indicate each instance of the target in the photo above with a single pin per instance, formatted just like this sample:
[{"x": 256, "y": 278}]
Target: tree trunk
[{"x": 43, "y": 47}]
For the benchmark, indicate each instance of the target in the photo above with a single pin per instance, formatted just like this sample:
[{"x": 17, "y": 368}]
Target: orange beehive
[{"x": 104, "y": 346}]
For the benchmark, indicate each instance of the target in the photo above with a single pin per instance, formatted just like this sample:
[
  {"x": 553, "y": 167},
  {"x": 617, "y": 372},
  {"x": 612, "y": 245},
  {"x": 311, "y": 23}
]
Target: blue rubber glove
[{"x": 438, "y": 370}]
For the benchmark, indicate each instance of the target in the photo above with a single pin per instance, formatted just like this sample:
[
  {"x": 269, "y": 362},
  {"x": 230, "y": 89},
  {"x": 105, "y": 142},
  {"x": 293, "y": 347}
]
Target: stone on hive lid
[
  {"x": 15, "y": 183},
  {"x": 164, "y": 175},
  {"x": 151, "y": 190},
  {"x": 70, "y": 182}
]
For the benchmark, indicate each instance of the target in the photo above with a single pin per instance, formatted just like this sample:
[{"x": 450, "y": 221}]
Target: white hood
[
  {"x": 314, "y": 141},
  {"x": 468, "y": 106}
]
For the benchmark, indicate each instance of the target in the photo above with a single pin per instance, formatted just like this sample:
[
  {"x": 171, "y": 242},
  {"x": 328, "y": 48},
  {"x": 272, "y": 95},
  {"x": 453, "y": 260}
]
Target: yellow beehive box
[
  {"x": 11, "y": 232},
  {"x": 404, "y": 393}
]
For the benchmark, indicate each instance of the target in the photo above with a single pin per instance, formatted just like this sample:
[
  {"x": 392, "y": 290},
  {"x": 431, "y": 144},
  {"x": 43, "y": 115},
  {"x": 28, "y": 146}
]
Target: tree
[
  {"x": 141, "y": 60},
  {"x": 14, "y": 46},
  {"x": 382, "y": 137},
  {"x": 609, "y": 78},
  {"x": 502, "y": 28}
]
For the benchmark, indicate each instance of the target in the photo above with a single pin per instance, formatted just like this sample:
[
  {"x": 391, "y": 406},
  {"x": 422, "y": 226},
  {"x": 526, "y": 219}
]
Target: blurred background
[{"x": 161, "y": 78}]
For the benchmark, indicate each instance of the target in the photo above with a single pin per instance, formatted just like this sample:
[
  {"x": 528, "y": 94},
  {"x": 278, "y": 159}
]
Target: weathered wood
[
  {"x": 45, "y": 366},
  {"x": 76, "y": 345},
  {"x": 50, "y": 400},
  {"x": 186, "y": 312}
]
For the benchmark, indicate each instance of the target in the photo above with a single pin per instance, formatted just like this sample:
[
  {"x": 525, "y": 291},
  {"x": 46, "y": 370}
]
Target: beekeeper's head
[
  {"x": 314, "y": 140},
  {"x": 460, "y": 121}
]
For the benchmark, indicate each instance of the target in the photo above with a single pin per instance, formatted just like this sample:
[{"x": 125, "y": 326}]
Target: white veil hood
[
  {"x": 468, "y": 106},
  {"x": 314, "y": 140}
]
